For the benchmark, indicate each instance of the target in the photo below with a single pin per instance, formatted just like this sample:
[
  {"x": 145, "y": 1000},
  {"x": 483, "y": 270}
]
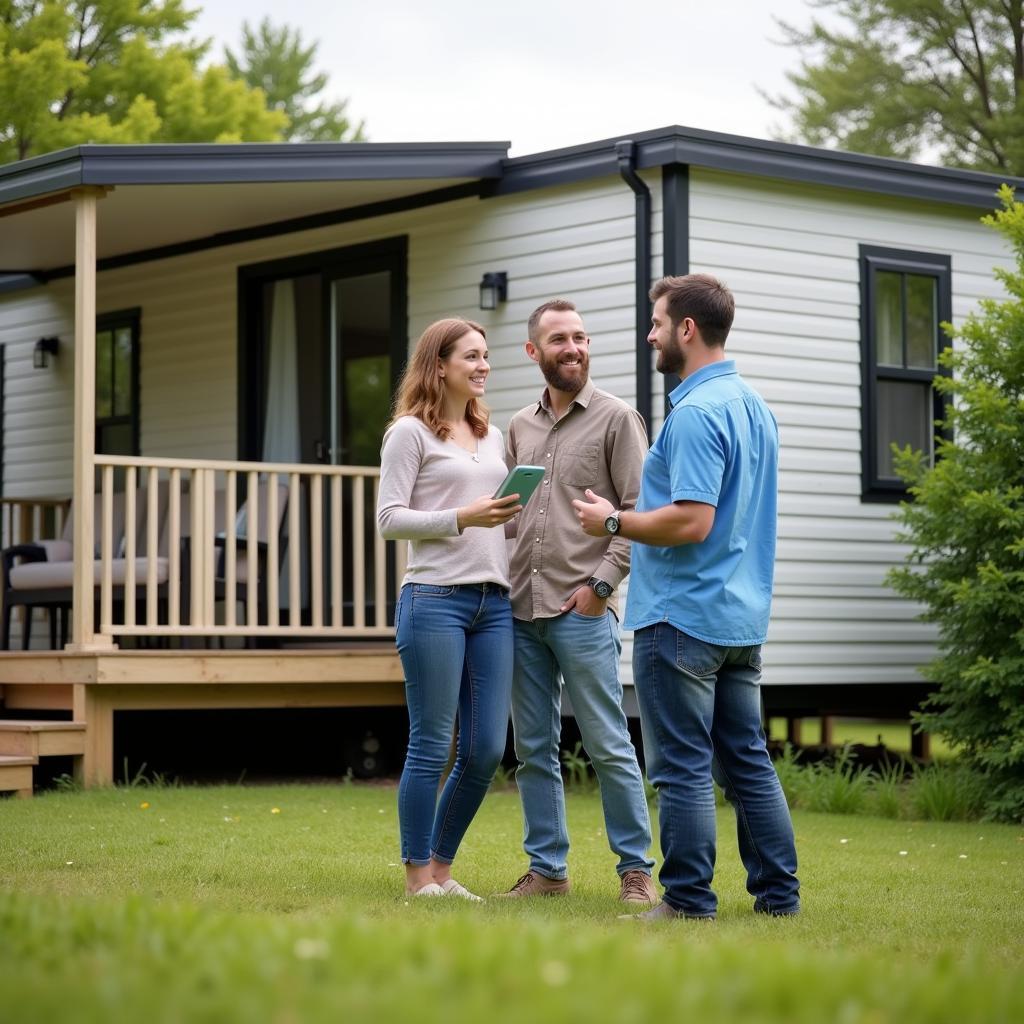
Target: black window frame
[
  {"x": 132, "y": 319},
  {"x": 873, "y": 259}
]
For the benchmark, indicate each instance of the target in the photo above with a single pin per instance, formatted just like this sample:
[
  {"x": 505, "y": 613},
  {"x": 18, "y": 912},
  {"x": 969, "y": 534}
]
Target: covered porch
[{"x": 273, "y": 561}]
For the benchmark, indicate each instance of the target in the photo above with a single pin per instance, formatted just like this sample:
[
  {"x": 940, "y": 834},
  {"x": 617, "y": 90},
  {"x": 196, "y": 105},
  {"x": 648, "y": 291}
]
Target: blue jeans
[
  {"x": 455, "y": 643},
  {"x": 699, "y": 704},
  {"x": 586, "y": 650}
]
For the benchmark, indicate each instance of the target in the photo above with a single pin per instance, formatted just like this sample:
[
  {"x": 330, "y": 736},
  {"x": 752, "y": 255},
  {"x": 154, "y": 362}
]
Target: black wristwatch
[
  {"x": 599, "y": 587},
  {"x": 612, "y": 524}
]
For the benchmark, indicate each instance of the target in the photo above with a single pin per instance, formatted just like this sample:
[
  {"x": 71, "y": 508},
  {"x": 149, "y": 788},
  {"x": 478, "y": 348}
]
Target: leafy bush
[{"x": 965, "y": 526}]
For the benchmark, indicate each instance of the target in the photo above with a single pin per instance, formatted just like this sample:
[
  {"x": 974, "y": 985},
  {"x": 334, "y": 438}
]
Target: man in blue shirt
[{"x": 699, "y": 601}]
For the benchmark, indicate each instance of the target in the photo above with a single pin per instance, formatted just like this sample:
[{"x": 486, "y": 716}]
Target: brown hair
[
  {"x": 421, "y": 391},
  {"x": 703, "y": 298},
  {"x": 533, "y": 324}
]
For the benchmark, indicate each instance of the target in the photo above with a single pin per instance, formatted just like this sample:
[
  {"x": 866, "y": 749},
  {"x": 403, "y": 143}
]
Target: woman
[{"x": 440, "y": 464}]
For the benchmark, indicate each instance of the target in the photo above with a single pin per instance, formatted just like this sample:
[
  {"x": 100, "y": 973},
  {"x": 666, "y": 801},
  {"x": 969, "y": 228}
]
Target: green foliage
[
  {"x": 901, "y": 77},
  {"x": 834, "y": 787},
  {"x": 577, "y": 767},
  {"x": 943, "y": 791},
  {"x": 790, "y": 773},
  {"x": 947, "y": 793},
  {"x": 887, "y": 788},
  {"x": 275, "y": 61},
  {"x": 73, "y": 71},
  {"x": 965, "y": 526}
]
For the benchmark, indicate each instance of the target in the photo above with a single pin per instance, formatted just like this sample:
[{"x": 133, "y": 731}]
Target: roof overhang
[
  {"x": 166, "y": 199},
  {"x": 161, "y": 196},
  {"x": 717, "y": 151}
]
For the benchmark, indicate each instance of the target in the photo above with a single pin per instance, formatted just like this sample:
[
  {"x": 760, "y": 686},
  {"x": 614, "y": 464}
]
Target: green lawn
[{"x": 206, "y": 905}]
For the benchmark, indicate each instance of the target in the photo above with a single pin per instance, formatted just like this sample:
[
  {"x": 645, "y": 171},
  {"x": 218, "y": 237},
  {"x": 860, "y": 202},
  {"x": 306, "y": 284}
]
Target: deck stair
[
  {"x": 16, "y": 775},
  {"x": 23, "y": 743}
]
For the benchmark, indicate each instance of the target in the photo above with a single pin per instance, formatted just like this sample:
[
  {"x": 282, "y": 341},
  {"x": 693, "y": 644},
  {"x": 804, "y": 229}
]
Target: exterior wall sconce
[
  {"x": 44, "y": 348},
  {"x": 493, "y": 289}
]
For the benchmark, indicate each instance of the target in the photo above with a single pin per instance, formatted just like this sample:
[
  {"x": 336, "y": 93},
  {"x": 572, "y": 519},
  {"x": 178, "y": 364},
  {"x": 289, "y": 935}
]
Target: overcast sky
[{"x": 538, "y": 73}]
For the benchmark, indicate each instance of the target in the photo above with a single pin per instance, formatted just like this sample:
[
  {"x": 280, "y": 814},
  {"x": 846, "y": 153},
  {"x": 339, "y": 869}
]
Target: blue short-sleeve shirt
[{"x": 719, "y": 445}]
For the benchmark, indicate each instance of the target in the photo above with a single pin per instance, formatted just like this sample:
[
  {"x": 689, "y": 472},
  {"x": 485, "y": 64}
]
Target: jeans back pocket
[{"x": 697, "y": 657}]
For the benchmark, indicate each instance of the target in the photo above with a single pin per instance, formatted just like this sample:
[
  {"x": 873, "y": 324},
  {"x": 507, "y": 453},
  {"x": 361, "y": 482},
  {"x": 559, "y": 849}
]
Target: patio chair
[{"x": 39, "y": 575}]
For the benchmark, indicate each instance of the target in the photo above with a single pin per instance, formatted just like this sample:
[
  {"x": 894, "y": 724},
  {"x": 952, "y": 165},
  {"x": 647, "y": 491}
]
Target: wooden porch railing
[
  {"x": 243, "y": 549},
  {"x": 23, "y": 520}
]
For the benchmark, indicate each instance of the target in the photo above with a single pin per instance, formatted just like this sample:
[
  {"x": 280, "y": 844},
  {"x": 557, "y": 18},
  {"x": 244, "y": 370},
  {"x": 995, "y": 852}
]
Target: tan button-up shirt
[{"x": 599, "y": 443}]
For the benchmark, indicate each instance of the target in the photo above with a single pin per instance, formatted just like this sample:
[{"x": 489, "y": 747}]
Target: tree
[
  {"x": 274, "y": 60},
  {"x": 73, "y": 71},
  {"x": 903, "y": 78},
  {"x": 966, "y": 528}
]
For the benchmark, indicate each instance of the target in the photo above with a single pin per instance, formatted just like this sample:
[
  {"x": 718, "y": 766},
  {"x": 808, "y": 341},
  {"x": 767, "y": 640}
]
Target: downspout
[{"x": 625, "y": 152}]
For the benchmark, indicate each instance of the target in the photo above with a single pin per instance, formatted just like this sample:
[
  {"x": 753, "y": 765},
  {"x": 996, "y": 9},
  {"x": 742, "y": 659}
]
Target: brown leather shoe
[
  {"x": 663, "y": 912},
  {"x": 637, "y": 887},
  {"x": 532, "y": 884}
]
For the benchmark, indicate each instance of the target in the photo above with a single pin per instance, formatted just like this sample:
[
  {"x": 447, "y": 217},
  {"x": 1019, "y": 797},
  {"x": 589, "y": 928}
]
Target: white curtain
[{"x": 281, "y": 422}]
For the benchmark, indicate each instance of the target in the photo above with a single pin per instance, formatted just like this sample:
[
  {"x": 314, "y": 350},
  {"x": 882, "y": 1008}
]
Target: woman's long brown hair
[{"x": 421, "y": 389}]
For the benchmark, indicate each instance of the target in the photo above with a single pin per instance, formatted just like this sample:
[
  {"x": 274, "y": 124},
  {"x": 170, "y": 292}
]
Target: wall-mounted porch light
[
  {"x": 493, "y": 289},
  {"x": 44, "y": 348}
]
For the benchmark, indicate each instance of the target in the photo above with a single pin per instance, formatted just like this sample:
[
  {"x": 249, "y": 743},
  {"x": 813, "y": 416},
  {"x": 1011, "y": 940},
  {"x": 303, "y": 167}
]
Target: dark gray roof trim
[
  {"x": 690, "y": 146},
  {"x": 264, "y": 162}
]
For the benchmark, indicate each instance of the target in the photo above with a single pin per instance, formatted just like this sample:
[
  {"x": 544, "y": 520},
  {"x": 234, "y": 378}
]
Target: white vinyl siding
[
  {"x": 575, "y": 241},
  {"x": 790, "y": 254}
]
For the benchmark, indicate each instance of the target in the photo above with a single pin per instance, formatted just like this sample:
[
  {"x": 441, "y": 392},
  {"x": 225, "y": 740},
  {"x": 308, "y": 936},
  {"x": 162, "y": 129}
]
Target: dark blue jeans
[
  {"x": 700, "y": 710},
  {"x": 455, "y": 643}
]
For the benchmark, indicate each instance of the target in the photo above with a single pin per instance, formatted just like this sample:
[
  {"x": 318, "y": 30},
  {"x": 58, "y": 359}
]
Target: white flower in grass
[
  {"x": 844, "y": 841},
  {"x": 311, "y": 949},
  {"x": 903, "y": 853},
  {"x": 555, "y": 973},
  {"x": 963, "y": 856}
]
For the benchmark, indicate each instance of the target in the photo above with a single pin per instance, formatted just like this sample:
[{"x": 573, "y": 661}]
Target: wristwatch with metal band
[
  {"x": 611, "y": 524},
  {"x": 600, "y": 587}
]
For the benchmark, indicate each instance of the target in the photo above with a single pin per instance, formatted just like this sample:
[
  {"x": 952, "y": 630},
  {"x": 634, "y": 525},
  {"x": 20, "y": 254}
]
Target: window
[
  {"x": 905, "y": 296},
  {"x": 117, "y": 383}
]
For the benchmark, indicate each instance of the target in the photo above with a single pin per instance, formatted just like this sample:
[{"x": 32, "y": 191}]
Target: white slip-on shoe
[
  {"x": 430, "y": 889},
  {"x": 453, "y": 888}
]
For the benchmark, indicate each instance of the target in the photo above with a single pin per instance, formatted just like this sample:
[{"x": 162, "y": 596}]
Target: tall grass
[{"x": 942, "y": 791}]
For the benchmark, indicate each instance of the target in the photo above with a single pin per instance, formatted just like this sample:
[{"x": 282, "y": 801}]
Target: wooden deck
[{"x": 93, "y": 686}]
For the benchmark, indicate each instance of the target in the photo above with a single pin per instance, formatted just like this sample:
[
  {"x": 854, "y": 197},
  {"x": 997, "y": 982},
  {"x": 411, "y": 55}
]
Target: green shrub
[{"x": 965, "y": 526}]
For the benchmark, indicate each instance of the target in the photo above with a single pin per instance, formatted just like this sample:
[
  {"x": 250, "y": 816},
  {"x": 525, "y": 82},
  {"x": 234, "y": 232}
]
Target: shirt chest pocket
[{"x": 579, "y": 465}]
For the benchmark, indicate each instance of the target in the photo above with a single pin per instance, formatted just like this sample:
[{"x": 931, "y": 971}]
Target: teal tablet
[{"x": 523, "y": 480}]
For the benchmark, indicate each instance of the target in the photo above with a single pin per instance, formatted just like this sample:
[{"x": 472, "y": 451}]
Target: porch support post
[
  {"x": 83, "y": 594},
  {"x": 96, "y": 766}
]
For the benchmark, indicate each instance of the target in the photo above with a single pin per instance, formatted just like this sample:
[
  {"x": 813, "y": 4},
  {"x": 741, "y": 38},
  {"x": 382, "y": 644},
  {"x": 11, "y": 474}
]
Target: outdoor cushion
[
  {"x": 50, "y": 575},
  {"x": 56, "y": 550}
]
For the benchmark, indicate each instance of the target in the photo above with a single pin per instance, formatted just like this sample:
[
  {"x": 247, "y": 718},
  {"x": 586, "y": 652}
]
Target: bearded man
[{"x": 565, "y": 609}]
